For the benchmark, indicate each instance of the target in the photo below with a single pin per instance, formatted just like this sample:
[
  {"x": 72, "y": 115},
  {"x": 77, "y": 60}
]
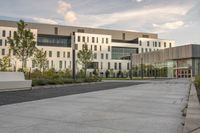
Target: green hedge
[{"x": 197, "y": 81}]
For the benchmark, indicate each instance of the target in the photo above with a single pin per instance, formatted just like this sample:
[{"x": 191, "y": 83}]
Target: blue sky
[{"x": 178, "y": 20}]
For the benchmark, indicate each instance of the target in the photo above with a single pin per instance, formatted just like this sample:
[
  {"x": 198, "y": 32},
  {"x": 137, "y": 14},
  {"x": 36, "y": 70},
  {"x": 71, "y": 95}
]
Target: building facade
[
  {"x": 110, "y": 47},
  {"x": 176, "y": 62}
]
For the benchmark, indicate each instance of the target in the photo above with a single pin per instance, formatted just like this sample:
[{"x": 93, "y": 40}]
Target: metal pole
[{"x": 74, "y": 64}]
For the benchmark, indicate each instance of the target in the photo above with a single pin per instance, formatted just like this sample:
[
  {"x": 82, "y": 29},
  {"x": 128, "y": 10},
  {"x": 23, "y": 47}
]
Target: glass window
[
  {"x": 93, "y": 39},
  {"x": 102, "y": 55},
  {"x": 120, "y": 66},
  {"x": 140, "y": 43},
  {"x": 91, "y": 47},
  {"x": 170, "y": 45},
  {"x": 50, "y": 53},
  {"x": 0, "y": 42},
  {"x": 10, "y": 33},
  {"x": 58, "y": 54},
  {"x": 155, "y": 44},
  {"x": 68, "y": 54},
  {"x": 88, "y": 39},
  {"x": 3, "y": 51},
  {"x": 79, "y": 39},
  {"x": 3, "y": 33},
  {"x": 60, "y": 64},
  {"x": 148, "y": 43},
  {"x": 56, "y": 30},
  {"x": 95, "y": 47},
  {"x": 83, "y": 39},
  {"x": 100, "y": 48},
  {"x": 102, "y": 40},
  {"x": 123, "y": 36},
  {"x": 115, "y": 66},
  {"x": 52, "y": 64},
  {"x": 95, "y": 55},
  {"x": 108, "y": 48},
  {"x": 165, "y": 44},
  {"x": 127, "y": 66},
  {"x": 106, "y": 40},
  {"x": 122, "y": 52},
  {"x": 106, "y": 56},
  {"x": 97, "y": 40},
  {"x": 63, "y": 54},
  {"x": 5, "y": 42},
  {"x": 159, "y": 44},
  {"x": 101, "y": 65},
  {"x": 108, "y": 65}
]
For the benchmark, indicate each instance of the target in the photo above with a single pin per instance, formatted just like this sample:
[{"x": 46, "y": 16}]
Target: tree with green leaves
[
  {"x": 40, "y": 59},
  {"x": 85, "y": 57},
  {"x": 5, "y": 63},
  {"x": 23, "y": 43}
]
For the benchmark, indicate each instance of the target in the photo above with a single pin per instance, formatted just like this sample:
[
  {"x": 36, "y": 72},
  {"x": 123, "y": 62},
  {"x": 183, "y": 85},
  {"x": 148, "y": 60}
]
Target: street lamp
[{"x": 73, "y": 57}]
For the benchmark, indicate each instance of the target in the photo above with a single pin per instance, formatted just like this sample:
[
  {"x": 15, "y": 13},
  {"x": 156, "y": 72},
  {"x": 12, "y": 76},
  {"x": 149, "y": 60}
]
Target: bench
[{"x": 13, "y": 81}]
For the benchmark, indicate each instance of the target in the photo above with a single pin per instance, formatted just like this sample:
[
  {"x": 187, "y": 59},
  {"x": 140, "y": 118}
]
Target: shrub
[{"x": 197, "y": 81}]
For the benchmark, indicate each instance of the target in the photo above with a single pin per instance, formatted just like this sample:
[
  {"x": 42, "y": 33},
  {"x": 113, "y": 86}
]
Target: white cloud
[
  {"x": 65, "y": 9},
  {"x": 169, "y": 25},
  {"x": 140, "y": 17},
  {"x": 70, "y": 16},
  {"x": 139, "y": 0},
  {"x": 44, "y": 20}
]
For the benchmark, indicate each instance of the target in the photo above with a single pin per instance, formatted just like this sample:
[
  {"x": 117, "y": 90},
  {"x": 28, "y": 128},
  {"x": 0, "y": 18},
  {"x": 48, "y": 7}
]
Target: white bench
[{"x": 13, "y": 81}]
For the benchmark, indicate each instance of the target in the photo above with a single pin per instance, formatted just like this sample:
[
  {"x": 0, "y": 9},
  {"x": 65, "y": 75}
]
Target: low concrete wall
[{"x": 192, "y": 120}]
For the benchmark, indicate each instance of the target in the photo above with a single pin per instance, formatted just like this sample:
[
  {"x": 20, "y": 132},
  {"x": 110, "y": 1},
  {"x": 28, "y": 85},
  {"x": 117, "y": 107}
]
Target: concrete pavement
[{"x": 147, "y": 108}]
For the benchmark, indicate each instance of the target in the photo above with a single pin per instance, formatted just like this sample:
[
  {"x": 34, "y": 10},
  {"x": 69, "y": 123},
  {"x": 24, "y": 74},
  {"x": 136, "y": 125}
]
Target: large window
[
  {"x": 121, "y": 52},
  {"x": 51, "y": 40}
]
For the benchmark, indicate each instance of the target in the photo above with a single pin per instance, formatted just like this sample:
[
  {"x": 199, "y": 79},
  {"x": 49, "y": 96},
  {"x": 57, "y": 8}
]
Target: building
[
  {"x": 110, "y": 47},
  {"x": 176, "y": 62}
]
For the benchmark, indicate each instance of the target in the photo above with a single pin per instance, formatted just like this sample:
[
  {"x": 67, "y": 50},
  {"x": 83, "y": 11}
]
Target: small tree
[
  {"x": 85, "y": 57},
  {"x": 40, "y": 59},
  {"x": 5, "y": 63},
  {"x": 23, "y": 43}
]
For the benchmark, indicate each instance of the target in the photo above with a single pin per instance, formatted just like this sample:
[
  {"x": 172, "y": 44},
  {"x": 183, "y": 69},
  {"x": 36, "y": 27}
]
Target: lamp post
[
  {"x": 142, "y": 74},
  {"x": 73, "y": 58},
  {"x": 131, "y": 72}
]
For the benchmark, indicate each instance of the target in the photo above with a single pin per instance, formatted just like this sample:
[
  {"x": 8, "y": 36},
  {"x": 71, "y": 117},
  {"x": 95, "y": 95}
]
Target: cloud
[
  {"x": 139, "y": 17},
  {"x": 139, "y": 0},
  {"x": 65, "y": 9},
  {"x": 169, "y": 25},
  {"x": 44, "y": 20},
  {"x": 70, "y": 16}
]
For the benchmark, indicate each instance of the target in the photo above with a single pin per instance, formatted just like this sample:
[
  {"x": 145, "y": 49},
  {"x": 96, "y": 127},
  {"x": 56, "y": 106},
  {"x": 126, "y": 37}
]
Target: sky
[{"x": 177, "y": 20}]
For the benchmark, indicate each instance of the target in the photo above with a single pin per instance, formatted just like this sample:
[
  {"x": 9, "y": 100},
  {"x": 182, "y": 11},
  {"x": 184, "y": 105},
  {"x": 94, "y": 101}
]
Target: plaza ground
[{"x": 152, "y": 107}]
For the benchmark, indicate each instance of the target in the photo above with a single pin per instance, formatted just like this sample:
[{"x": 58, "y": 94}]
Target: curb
[{"x": 192, "y": 120}]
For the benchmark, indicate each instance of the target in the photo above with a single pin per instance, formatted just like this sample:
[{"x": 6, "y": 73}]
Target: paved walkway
[{"x": 146, "y": 108}]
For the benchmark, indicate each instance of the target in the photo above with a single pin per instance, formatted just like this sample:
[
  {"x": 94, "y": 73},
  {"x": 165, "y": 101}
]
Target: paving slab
[{"x": 154, "y": 107}]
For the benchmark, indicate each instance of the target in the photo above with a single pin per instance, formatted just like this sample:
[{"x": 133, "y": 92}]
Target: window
[
  {"x": 76, "y": 46},
  {"x": 102, "y": 40},
  {"x": 102, "y": 56},
  {"x": 95, "y": 47},
  {"x": 83, "y": 46},
  {"x": 3, "y": 51},
  {"x": 81, "y": 30},
  {"x": 5, "y": 42},
  {"x": 165, "y": 44},
  {"x": 88, "y": 39},
  {"x": 79, "y": 38},
  {"x": 155, "y": 44},
  {"x": 108, "y": 48},
  {"x": 68, "y": 54},
  {"x": 3, "y": 33},
  {"x": 106, "y": 56},
  {"x": 83, "y": 39},
  {"x": 100, "y": 48},
  {"x": 120, "y": 52},
  {"x": 60, "y": 64},
  {"x": 123, "y": 36},
  {"x": 101, "y": 65},
  {"x": 50, "y": 53},
  {"x": 93, "y": 39},
  {"x": 0, "y": 42},
  {"x": 10, "y": 33},
  {"x": 108, "y": 65},
  {"x": 145, "y": 36},
  {"x": 127, "y": 66},
  {"x": 106, "y": 40},
  {"x": 63, "y": 54},
  {"x": 140, "y": 43},
  {"x": 91, "y": 47},
  {"x": 115, "y": 66},
  {"x": 142, "y": 50},
  {"x": 120, "y": 66},
  {"x": 95, "y": 55},
  {"x": 146, "y": 50},
  {"x": 65, "y": 64},
  {"x": 47, "y": 64},
  {"x": 159, "y": 44},
  {"x": 148, "y": 43},
  {"x": 58, "y": 54},
  {"x": 149, "y": 50},
  {"x": 56, "y": 30},
  {"x": 170, "y": 45},
  {"x": 97, "y": 40}
]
